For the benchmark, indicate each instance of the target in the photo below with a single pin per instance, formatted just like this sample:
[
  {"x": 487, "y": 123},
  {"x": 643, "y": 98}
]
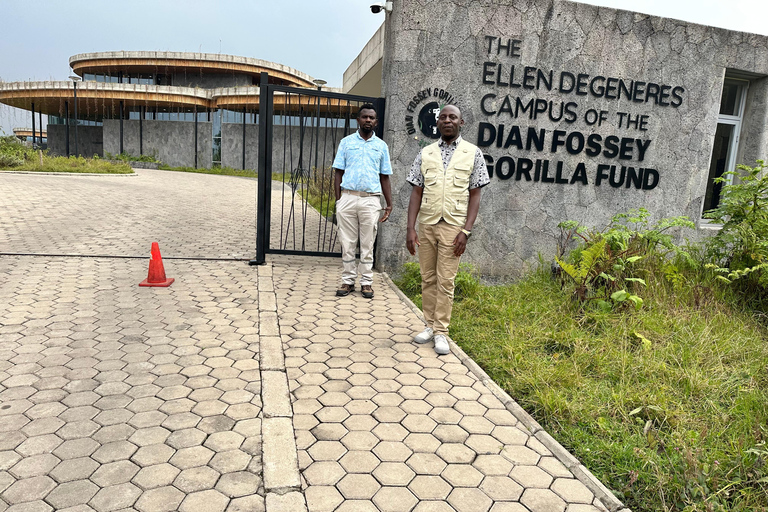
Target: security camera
[{"x": 379, "y": 6}]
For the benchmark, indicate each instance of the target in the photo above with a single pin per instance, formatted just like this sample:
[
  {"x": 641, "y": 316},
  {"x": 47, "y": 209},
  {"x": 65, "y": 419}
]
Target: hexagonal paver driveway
[
  {"x": 385, "y": 425},
  {"x": 115, "y": 397}
]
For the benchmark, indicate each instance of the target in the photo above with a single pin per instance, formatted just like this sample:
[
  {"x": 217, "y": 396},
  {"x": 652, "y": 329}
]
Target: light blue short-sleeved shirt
[{"x": 362, "y": 162}]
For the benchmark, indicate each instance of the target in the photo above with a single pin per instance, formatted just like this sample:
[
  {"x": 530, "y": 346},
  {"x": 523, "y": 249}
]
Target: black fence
[{"x": 299, "y": 133}]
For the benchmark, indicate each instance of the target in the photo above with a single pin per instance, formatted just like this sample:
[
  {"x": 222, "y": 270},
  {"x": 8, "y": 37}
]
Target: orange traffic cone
[{"x": 156, "y": 275}]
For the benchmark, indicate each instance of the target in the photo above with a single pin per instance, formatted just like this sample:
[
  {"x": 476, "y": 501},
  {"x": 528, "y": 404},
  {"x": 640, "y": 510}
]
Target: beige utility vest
[{"x": 446, "y": 192}]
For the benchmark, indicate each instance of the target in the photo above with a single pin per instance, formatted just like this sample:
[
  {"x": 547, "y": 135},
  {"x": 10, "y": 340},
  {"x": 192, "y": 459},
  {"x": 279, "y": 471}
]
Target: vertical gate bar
[
  {"x": 334, "y": 146},
  {"x": 66, "y": 113},
  {"x": 287, "y": 135},
  {"x": 40, "y": 118},
  {"x": 121, "y": 127},
  {"x": 324, "y": 218},
  {"x": 262, "y": 189},
  {"x": 270, "y": 114},
  {"x": 322, "y": 174},
  {"x": 305, "y": 203},
  {"x": 380, "y": 111},
  {"x": 195, "y": 114},
  {"x": 243, "y": 137}
]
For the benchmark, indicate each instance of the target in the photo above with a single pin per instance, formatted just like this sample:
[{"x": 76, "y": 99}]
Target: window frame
[{"x": 733, "y": 147}]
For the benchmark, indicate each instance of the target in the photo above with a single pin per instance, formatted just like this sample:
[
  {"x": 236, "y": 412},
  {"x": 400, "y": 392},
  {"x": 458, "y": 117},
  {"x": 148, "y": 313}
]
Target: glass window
[
  {"x": 730, "y": 102},
  {"x": 726, "y": 143},
  {"x": 721, "y": 152}
]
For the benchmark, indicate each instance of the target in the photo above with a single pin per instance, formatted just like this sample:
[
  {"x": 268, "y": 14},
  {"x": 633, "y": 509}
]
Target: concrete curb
[
  {"x": 581, "y": 473},
  {"x": 41, "y": 173},
  {"x": 280, "y": 461}
]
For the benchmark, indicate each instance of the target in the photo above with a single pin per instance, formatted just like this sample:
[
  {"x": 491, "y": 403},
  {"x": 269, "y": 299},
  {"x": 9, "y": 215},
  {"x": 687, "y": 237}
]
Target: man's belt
[{"x": 359, "y": 193}]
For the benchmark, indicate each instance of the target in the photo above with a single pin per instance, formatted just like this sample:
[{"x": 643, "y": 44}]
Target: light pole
[
  {"x": 75, "y": 79},
  {"x": 319, "y": 82}
]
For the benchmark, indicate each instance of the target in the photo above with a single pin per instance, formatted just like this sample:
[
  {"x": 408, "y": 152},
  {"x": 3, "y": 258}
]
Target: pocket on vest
[
  {"x": 461, "y": 182},
  {"x": 430, "y": 177},
  {"x": 429, "y": 205},
  {"x": 461, "y": 205}
]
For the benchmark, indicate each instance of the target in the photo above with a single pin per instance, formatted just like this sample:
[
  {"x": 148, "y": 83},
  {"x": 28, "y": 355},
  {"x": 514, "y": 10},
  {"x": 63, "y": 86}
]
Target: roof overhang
[
  {"x": 51, "y": 97},
  {"x": 175, "y": 62}
]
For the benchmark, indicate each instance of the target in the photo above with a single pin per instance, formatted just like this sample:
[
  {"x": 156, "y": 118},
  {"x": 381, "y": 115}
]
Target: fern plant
[{"x": 739, "y": 252}]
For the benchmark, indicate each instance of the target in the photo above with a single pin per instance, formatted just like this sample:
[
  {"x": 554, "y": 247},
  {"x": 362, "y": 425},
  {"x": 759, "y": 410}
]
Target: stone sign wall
[{"x": 581, "y": 111}]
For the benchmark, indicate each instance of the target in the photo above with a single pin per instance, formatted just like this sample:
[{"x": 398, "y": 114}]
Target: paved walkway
[{"x": 237, "y": 388}]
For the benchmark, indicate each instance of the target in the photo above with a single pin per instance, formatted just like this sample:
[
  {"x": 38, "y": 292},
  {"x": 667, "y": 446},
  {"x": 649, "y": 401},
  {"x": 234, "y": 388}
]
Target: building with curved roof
[{"x": 119, "y": 93}]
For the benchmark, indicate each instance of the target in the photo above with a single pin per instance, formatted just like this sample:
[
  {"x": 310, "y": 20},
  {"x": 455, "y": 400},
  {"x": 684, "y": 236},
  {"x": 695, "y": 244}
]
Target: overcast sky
[{"x": 319, "y": 37}]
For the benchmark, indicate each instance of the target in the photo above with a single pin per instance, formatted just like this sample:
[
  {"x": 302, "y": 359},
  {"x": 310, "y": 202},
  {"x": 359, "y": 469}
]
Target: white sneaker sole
[{"x": 444, "y": 349}]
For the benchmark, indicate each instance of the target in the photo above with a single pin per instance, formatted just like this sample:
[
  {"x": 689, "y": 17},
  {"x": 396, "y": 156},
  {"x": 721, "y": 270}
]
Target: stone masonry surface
[{"x": 237, "y": 388}]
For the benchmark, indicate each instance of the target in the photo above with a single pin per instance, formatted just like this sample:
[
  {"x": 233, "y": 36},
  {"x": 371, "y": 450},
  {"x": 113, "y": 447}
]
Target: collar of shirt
[
  {"x": 444, "y": 144},
  {"x": 373, "y": 136}
]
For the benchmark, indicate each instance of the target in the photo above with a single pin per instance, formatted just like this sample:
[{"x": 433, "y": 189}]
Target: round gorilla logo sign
[
  {"x": 422, "y": 112},
  {"x": 428, "y": 120}
]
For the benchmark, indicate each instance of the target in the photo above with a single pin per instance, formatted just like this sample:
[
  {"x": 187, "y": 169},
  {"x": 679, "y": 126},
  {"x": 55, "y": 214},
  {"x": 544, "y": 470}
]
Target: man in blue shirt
[{"x": 362, "y": 170}]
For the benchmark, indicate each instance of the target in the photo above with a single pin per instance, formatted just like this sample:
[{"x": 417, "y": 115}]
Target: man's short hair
[{"x": 367, "y": 106}]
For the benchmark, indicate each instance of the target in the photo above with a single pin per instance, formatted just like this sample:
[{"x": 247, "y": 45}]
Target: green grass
[
  {"x": 666, "y": 405},
  {"x": 221, "y": 171},
  {"x": 127, "y": 157},
  {"x": 18, "y": 157}
]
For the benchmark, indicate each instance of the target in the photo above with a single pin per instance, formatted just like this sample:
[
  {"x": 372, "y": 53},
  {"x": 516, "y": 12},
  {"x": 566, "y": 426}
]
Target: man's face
[
  {"x": 367, "y": 120},
  {"x": 449, "y": 122}
]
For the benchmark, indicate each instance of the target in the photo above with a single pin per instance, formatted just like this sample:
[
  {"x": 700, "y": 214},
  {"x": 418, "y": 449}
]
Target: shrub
[
  {"x": 739, "y": 252},
  {"x": 604, "y": 266},
  {"x": 13, "y": 153}
]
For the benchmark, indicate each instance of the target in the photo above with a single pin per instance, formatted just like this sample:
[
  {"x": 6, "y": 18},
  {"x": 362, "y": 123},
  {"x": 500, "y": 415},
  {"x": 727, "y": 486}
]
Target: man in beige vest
[{"x": 446, "y": 177}]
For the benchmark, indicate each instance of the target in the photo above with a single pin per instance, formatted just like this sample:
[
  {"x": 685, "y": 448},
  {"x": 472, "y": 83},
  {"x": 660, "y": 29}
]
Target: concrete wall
[
  {"x": 172, "y": 142},
  {"x": 319, "y": 147},
  {"x": 450, "y": 51},
  {"x": 754, "y": 131},
  {"x": 89, "y": 140}
]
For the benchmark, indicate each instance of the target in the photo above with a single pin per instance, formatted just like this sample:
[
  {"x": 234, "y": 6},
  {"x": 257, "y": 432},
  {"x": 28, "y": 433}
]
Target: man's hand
[
  {"x": 459, "y": 244},
  {"x": 387, "y": 211},
  {"x": 412, "y": 240}
]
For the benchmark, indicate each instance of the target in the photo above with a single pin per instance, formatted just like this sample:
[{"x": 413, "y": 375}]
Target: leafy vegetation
[
  {"x": 739, "y": 252},
  {"x": 664, "y": 398},
  {"x": 126, "y": 157},
  {"x": 222, "y": 171},
  {"x": 16, "y": 156},
  {"x": 604, "y": 267}
]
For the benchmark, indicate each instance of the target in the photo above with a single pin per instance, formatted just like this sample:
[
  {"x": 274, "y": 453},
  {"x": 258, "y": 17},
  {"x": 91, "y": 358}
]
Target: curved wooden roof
[{"x": 174, "y": 62}]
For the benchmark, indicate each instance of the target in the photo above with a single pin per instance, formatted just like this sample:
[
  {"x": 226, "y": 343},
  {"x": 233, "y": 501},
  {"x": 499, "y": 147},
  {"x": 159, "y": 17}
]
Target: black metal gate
[{"x": 299, "y": 133}]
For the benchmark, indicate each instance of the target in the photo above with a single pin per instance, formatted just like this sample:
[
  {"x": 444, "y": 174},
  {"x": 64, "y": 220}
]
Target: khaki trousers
[
  {"x": 438, "y": 271},
  {"x": 358, "y": 219}
]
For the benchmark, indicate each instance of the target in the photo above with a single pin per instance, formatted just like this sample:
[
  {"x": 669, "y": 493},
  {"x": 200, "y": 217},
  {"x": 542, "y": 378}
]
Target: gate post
[
  {"x": 380, "y": 105},
  {"x": 262, "y": 203}
]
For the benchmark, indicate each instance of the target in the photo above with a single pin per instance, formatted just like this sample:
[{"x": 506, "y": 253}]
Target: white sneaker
[
  {"x": 424, "y": 336},
  {"x": 441, "y": 344}
]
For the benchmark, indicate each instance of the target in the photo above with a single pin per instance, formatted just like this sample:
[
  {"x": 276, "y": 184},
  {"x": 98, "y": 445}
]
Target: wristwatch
[{"x": 466, "y": 232}]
